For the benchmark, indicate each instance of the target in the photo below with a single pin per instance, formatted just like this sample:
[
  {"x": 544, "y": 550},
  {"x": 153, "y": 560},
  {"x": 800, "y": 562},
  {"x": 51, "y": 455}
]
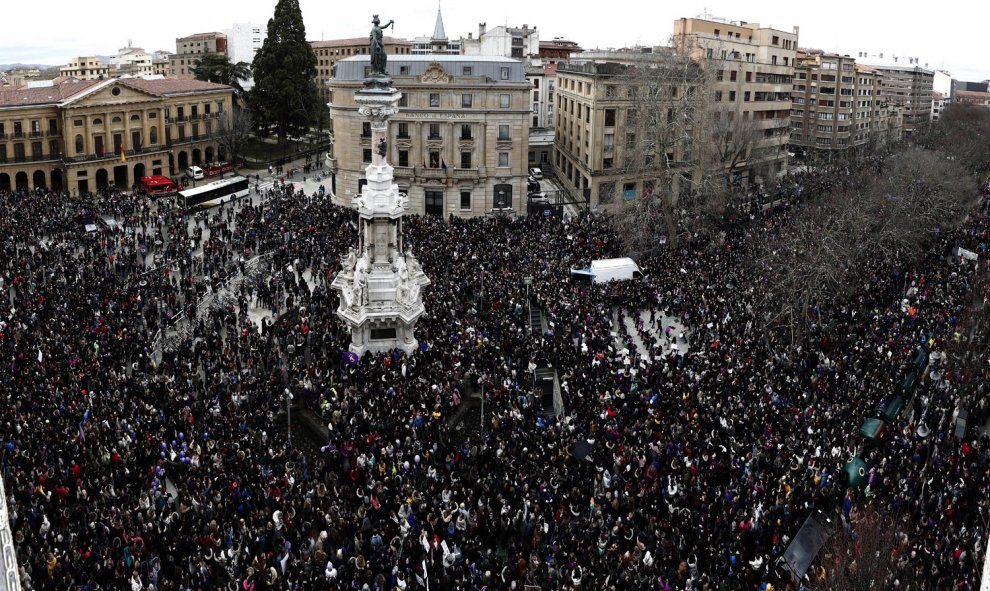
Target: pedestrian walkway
[{"x": 675, "y": 339}]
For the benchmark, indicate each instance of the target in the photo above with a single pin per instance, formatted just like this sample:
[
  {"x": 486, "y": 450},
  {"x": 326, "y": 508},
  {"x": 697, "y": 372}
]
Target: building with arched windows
[{"x": 82, "y": 136}]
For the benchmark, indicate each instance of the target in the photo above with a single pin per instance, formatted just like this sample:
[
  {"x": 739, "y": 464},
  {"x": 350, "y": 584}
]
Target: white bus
[{"x": 215, "y": 193}]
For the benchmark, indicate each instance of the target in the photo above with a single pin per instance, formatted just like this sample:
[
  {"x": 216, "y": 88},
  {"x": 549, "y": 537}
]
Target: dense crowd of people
[{"x": 145, "y": 447}]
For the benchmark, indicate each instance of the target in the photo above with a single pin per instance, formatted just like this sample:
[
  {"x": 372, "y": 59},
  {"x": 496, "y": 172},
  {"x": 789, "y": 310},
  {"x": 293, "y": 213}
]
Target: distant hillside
[{"x": 8, "y": 67}]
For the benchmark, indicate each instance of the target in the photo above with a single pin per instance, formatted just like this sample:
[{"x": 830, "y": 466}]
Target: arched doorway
[
  {"x": 38, "y": 179},
  {"x": 21, "y": 180},
  {"x": 197, "y": 156},
  {"x": 4, "y": 181},
  {"x": 209, "y": 154},
  {"x": 183, "y": 161},
  {"x": 57, "y": 184},
  {"x": 139, "y": 172},
  {"x": 102, "y": 179},
  {"x": 171, "y": 164}
]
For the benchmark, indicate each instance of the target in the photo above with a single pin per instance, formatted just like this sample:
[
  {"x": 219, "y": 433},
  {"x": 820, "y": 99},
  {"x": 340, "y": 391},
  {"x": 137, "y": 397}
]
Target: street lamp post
[{"x": 527, "y": 281}]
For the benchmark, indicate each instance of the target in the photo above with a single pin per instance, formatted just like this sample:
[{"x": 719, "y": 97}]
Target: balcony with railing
[{"x": 115, "y": 155}]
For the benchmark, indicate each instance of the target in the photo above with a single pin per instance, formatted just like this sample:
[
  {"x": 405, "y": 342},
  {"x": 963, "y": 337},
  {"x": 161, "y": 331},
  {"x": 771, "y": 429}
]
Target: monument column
[{"x": 380, "y": 284}]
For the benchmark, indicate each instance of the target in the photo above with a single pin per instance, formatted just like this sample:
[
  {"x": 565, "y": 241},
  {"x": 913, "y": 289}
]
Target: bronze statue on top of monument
[{"x": 378, "y": 56}]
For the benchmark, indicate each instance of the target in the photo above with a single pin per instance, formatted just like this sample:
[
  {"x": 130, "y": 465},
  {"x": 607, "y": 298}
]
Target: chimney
[{"x": 481, "y": 30}]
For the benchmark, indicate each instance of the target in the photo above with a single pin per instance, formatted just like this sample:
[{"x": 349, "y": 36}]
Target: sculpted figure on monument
[{"x": 378, "y": 58}]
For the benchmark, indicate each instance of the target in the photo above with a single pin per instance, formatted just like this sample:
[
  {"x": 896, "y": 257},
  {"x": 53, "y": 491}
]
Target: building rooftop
[
  {"x": 352, "y": 68},
  {"x": 56, "y": 93},
  {"x": 198, "y": 35}
]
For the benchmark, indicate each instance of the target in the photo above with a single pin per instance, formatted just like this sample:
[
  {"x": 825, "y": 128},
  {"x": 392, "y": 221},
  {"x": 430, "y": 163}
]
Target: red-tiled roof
[
  {"x": 972, "y": 93},
  {"x": 172, "y": 85},
  {"x": 353, "y": 41},
  {"x": 44, "y": 95}
]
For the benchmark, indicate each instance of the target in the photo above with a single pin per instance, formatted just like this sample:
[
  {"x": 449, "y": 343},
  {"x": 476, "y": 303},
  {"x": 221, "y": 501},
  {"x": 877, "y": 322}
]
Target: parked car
[
  {"x": 196, "y": 173},
  {"x": 532, "y": 186},
  {"x": 536, "y": 173}
]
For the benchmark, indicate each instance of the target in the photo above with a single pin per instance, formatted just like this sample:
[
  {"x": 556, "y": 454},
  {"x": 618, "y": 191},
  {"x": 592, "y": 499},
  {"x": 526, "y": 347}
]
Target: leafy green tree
[
  {"x": 284, "y": 98},
  {"x": 217, "y": 67}
]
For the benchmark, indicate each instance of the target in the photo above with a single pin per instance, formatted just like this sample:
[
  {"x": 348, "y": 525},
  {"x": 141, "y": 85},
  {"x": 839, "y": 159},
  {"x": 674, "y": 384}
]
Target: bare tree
[
  {"x": 863, "y": 558},
  {"x": 682, "y": 143},
  {"x": 233, "y": 132}
]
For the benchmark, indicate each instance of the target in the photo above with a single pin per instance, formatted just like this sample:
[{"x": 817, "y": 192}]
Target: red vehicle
[
  {"x": 158, "y": 184},
  {"x": 217, "y": 168}
]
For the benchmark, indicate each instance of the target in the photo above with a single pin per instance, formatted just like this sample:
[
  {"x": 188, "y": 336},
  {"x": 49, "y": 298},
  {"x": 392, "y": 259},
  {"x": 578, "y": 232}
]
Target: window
[
  {"x": 732, "y": 96},
  {"x": 403, "y": 70},
  {"x": 608, "y": 163},
  {"x": 96, "y": 121},
  {"x": 403, "y": 131},
  {"x": 465, "y": 199},
  {"x": 609, "y": 117},
  {"x": 404, "y": 100},
  {"x": 153, "y": 135},
  {"x": 366, "y": 155},
  {"x": 403, "y": 157},
  {"x": 467, "y": 71},
  {"x": 434, "y": 131},
  {"x": 746, "y": 97},
  {"x": 79, "y": 144},
  {"x": 503, "y": 196},
  {"x": 366, "y": 129},
  {"x": 611, "y": 91},
  {"x": 466, "y": 101},
  {"x": 629, "y": 190},
  {"x": 503, "y": 132},
  {"x": 503, "y": 159},
  {"x": 732, "y": 76},
  {"x": 77, "y": 123},
  {"x": 609, "y": 143},
  {"x": 434, "y": 159},
  {"x": 153, "y": 115},
  {"x": 606, "y": 193},
  {"x": 503, "y": 101},
  {"x": 504, "y": 73},
  {"x": 434, "y": 100},
  {"x": 718, "y": 96},
  {"x": 434, "y": 202},
  {"x": 466, "y": 131},
  {"x": 466, "y": 159}
]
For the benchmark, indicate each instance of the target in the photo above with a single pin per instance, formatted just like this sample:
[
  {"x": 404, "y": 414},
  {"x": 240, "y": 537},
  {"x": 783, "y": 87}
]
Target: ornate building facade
[
  {"x": 84, "y": 136},
  {"x": 459, "y": 144}
]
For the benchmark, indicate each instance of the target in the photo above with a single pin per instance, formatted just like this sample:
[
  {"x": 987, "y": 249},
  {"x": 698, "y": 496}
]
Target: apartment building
[
  {"x": 906, "y": 84},
  {"x": 755, "y": 73},
  {"x": 188, "y": 51},
  {"x": 595, "y": 151},
  {"x": 86, "y": 67},
  {"x": 837, "y": 104},
  {"x": 517, "y": 42},
  {"x": 459, "y": 143}
]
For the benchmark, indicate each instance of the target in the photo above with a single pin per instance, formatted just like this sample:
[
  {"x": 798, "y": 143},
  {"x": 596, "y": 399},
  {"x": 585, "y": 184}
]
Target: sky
[{"x": 945, "y": 36}]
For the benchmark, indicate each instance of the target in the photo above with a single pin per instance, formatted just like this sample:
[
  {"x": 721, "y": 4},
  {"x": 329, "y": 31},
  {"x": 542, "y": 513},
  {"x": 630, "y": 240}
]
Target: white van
[
  {"x": 604, "y": 270},
  {"x": 536, "y": 174},
  {"x": 195, "y": 173}
]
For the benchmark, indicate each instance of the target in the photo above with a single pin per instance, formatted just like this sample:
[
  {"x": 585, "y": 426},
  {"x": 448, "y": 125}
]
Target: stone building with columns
[
  {"x": 460, "y": 142},
  {"x": 84, "y": 136}
]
